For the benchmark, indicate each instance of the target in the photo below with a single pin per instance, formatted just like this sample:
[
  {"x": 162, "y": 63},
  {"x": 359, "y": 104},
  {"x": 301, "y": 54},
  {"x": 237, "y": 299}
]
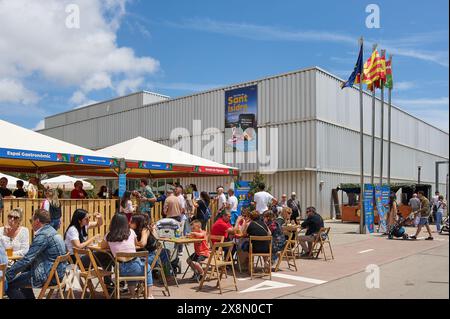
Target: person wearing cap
[{"x": 294, "y": 204}]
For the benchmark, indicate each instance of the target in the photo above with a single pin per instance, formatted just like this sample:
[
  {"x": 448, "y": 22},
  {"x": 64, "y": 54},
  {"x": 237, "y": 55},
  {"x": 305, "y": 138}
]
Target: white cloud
[
  {"x": 129, "y": 85},
  {"x": 39, "y": 126},
  {"x": 13, "y": 91},
  {"x": 182, "y": 86},
  {"x": 404, "y": 85},
  {"x": 34, "y": 39},
  {"x": 424, "y": 102}
]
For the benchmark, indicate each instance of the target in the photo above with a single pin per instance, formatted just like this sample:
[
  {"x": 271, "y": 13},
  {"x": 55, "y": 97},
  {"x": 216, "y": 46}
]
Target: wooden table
[{"x": 185, "y": 241}]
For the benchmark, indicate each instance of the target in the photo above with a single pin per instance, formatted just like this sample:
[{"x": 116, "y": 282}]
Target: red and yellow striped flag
[{"x": 374, "y": 71}]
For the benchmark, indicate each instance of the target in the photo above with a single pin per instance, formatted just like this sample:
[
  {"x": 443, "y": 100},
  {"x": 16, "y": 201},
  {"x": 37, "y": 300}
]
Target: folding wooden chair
[
  {"x": 260, "y": 256},
  {"x": 2, "y": 279},
  {"x": 288, "y": 253},
  {"x": 60, "y": 284},
  {"x": 158, "y": 265},
  {"x": 321, "y": 239},
  {"x": 92, "y": 272},
  {"x": 119, "y": 278},
  {"x": 216, "y": 266}
]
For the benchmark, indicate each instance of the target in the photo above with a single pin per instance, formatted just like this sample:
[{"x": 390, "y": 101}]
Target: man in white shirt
[
  {"x": 232, "y": 206},
  {"x": 263, "y": 198},
  {"x": 221, "y": 202}
]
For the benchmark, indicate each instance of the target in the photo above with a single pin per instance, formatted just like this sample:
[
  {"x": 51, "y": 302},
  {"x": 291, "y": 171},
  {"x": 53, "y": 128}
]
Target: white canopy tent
[
  {"x": 65, "y": 183},
  {"x": 12, "y": 181}
]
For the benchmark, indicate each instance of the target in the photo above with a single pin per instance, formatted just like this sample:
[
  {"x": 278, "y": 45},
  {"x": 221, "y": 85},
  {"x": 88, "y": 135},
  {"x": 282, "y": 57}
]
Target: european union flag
[{"x": 357, "y": 71}]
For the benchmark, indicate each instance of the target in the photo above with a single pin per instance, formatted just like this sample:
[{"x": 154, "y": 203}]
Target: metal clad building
[{"x": 318, "y": 132}]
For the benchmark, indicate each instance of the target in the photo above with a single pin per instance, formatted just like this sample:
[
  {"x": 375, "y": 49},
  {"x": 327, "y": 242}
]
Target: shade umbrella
[{"x": 65, "y": 182}]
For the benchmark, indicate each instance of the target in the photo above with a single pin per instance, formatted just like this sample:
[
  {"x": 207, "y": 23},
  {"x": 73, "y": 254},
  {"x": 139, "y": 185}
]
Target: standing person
[
  {"x": 53, "y": 206},
  {"x": 172, "y": 208},
  {"x": 433, "y": 203},
  {"x": 313, "y": 224},
  {"x": 203, "y": 214},
  {"x": 414, "y": 203},
  {"x": 424, "y": 213},
  {"x": 263, "y": 199},
  {"x": 121, "y": 238},
  {"x": 14, "y": 235},
  {"x": 34, "y": 268},
  {"x": 221, "y": 202},
  {"x": 232, "y": 206},
  {"x": 78, "y": 192},
  {"x": 294, "y": 204},
  {"x": 19, "y": 192},
  {"x": 179, "y": 195},
  {"x": 32, "y": 188},
  {"x": 201, "y": 250},
  {"x": 195, "y": 192},
  {"x": 392, "y": 214},
  {"x": 103, "y": 192},
  {"x": 146, "y": 198},
  {"x": 4, "y": 191},
  {"x": 283, "y": 202},
  {"x": 441, "y": 207},
  {"x": 126, "y": 205}
]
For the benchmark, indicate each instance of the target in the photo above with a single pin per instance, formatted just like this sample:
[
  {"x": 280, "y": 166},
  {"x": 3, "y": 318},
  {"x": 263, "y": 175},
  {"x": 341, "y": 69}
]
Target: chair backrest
[
  {"x": 54, "y": 274},
  {"x": 2, "y": 279},
  {"x": 218, "y": 249},
  {"x": 323, "y": 233},
  {"x": 216, "y": 238},
  {"x": 85, "y": 252},
  {"x": 260, "y": 238}
]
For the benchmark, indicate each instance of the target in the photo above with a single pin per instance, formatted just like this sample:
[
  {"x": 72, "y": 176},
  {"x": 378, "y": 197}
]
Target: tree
[{"x": 258, "y": 178}]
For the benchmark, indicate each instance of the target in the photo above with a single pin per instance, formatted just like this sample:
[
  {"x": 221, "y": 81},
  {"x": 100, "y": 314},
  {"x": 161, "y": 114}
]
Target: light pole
[{"x": 419, "y": 168}]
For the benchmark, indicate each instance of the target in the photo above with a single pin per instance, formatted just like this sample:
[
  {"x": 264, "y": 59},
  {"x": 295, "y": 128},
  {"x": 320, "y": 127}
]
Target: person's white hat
[{"x": 293, "y": 194}]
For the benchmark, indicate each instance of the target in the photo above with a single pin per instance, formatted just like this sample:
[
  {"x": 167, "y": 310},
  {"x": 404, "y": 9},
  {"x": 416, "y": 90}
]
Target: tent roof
[
  {"x": 147, "y": 154},
  {"x": 66, "y": 181},
  {"x": 28, "y": 151}
]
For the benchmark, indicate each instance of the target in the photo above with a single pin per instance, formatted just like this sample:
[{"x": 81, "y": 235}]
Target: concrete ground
[{"x": 407, "y": 269}]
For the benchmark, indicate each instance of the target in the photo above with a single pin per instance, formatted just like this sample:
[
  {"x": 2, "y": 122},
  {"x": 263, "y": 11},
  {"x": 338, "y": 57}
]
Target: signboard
[
  {"x": 368, "y": 207},
  {"x": 155, "y": 165},
  {"x": 241, "y": 191},
  {"x": 382, "y": 202},
  {"x": 92, "y": 160},
  {"x": 241, "y": 107},
  {"x": 122, "y": 184}
]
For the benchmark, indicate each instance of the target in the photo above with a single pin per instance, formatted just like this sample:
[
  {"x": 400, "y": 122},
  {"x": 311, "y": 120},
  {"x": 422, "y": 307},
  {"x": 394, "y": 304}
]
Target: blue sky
[{"x": 180, "y": 47}]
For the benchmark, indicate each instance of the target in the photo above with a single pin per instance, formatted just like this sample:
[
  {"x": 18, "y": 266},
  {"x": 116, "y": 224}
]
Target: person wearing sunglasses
[{"x": 14, "y": 235}]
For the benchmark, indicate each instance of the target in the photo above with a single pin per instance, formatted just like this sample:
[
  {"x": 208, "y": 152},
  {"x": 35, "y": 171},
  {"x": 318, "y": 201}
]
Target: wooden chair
[
  {"x": 260, "y": 256},
  {"x": 60, "y": 284},
  {"x": 158, "y": 265},
  {"x": 288, "y": 253},
  {"x": 92, "y": 272},
  {"x": 321, "y": 239},
  {"x": 216, "y": 266},
  {"x": 2, "y": 279},
  {"x": 119, "y": 278}
]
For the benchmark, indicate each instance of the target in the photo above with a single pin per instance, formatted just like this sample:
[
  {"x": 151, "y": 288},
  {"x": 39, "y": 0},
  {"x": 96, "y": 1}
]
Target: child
[{"x": 201, "y": 249}]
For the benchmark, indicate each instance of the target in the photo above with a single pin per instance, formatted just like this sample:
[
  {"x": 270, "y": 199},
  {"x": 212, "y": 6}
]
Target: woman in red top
[
  {"x": 201, "y": 249},
  {"x": 78, "y": 192}
]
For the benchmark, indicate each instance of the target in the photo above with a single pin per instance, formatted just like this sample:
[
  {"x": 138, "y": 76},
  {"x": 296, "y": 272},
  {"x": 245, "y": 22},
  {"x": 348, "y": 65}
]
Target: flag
[
  {"x": 355, "y": 76},
  {"x": 374, "y": 71},
  {"x": 389, "y": 80}
]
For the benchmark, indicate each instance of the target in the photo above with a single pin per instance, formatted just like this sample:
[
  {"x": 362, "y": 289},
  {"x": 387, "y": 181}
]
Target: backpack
[{"x": 55, "y": 212}]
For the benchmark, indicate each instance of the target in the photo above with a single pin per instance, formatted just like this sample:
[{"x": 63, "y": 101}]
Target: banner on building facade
[
  {"x": 241, "y": 107},
  {"x": 368, "y": 207},
  {"x": 241, "y": 191}
]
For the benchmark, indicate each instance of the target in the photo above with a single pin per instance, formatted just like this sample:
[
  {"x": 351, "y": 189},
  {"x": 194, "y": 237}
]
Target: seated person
[
  {"x": 34, "y": 268},
  {"x": 76, "y": 234},
  {"x": 14, "y": 235},
  {"x": 201, "y": 249},
  {"x": 121, "y": 238},
  {"x": 313, "y": 223},
  {"x": 222, "y": 227},
  {"x": 278, "y": 237},
  {"x": 19, "y": 192},
  {"x": 257, "y": 227},
  {"x": 4, "y": 191}
]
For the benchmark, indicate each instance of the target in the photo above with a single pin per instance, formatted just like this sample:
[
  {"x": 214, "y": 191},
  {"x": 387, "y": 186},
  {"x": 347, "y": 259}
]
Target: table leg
[
  {"x": 170, "y": 264},
  {"x": 187, "y": 267}
]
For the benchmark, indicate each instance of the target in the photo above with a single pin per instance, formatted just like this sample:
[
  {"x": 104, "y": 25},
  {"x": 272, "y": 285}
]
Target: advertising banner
[
  {"x": 241, "y": 107},
  {"x": 368, "y": 207},
  {"x": 122, "y": 184},
  {"x": 241, "y": 191},
  {"x": 382, "y": 202}
]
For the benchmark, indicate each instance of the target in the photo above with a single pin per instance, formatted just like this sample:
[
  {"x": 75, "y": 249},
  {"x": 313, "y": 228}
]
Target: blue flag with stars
[{"x": 357, "y": 71}]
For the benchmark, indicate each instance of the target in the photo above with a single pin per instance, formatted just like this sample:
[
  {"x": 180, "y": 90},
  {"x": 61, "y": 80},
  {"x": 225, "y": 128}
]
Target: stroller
[
  {"x": 398, "y": 230},
  {"x": 167, "y": 228},
  {"x": 444, "y": 227}
]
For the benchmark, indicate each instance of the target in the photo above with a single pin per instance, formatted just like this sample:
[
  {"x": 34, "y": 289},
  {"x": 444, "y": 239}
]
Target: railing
[{"x": 106, "y": 207}]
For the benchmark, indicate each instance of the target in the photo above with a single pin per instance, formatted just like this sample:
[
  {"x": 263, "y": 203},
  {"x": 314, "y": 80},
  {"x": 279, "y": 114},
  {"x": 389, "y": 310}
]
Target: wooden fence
[{"x": 106, "y": 208}]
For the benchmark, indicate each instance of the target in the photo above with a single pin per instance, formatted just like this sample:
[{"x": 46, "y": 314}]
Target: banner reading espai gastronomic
[{"x": 241, "y": 106}]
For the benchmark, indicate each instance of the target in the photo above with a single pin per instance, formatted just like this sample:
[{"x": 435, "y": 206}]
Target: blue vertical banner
[
  {"x": 241, "y": 107},
  {"x": 368, "y": 207},
  {"x": 382, "y": 202},
  {"x": 122, "y": 184},
  {"x": 241, "y": 191}
]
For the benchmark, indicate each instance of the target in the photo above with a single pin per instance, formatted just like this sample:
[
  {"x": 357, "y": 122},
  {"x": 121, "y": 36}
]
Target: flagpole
[
  {"x": 372, "y": 173},
  {"x": 383, "y": 55},
  {"x": 389, "y": 128},
  {"x": 362, "y": 228}
]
